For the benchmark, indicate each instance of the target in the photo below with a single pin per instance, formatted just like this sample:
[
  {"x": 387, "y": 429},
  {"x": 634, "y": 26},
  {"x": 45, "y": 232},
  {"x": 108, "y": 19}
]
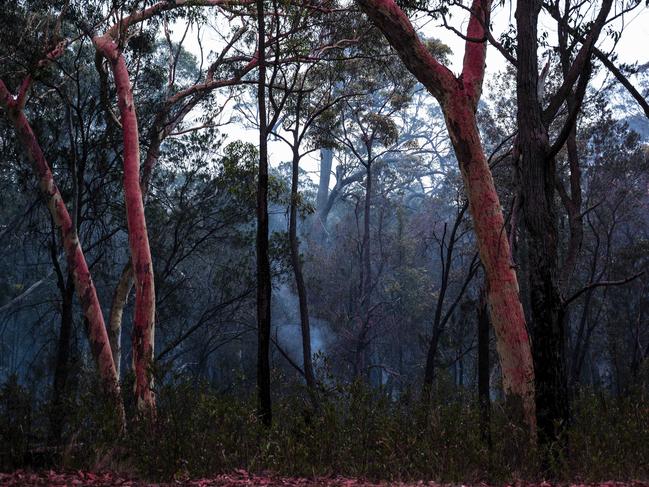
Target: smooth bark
[
  {"x": 120, "y": 297},
  {"x": 142, "y": 337},
  {"x": 166, "y": 121}
]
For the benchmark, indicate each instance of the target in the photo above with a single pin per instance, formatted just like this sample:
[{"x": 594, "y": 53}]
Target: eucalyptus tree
[{"x": 459, "y": 97}]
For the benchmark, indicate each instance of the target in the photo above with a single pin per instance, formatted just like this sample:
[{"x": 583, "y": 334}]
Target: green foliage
[{"x": 239, "y": 172}]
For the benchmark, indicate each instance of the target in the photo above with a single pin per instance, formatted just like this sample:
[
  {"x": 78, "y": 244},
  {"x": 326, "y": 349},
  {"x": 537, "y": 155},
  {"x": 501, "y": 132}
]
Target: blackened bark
[
  {"x": 299, "y": 278},
  {"x": 62, "y": 365},
  {"x": 366, "y": 274},
  {"x": 429, "y": 370},
  {"x": 439, "y": 323},
  {"x": 483, "y": 370},
  {"x": 263, "y": 259},
  {"x": 540, "y": 213}
]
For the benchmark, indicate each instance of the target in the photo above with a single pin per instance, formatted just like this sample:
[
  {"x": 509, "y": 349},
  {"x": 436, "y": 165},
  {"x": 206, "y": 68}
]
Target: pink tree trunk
[
  {"x": 143, "y": 328},
  {"x": 458, "y": 97},
  {"x": 163, "y": 125},
  {"x": 505, "y": 309},
  {"x": 86, "y": 292}
]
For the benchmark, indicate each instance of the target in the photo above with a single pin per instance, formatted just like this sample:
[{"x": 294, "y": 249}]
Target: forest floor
[{"x": 239, "y": 478}]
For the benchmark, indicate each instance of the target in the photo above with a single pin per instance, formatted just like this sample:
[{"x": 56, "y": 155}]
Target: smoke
[{"x": 286, "y": 326}]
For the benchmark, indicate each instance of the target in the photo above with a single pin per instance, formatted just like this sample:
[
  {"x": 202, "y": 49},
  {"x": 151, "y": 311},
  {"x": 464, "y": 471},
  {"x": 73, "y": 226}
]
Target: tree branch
[{"x": 593, "y": 285}]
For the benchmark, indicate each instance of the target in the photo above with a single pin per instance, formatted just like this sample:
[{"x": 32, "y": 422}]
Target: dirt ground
[{"x": 238, "y": 478}]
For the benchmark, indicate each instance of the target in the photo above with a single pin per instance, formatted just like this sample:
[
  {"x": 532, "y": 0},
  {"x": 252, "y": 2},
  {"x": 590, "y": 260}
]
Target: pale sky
[{"x": 631, "y": 47}]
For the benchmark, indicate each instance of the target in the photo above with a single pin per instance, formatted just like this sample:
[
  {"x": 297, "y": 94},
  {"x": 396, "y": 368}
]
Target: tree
[
  {"x": 264, "y": 285},
  {"x": 458, "y": 97},
  {"x": 538, "y": 182},
  {"x": 86, "y": 291}
]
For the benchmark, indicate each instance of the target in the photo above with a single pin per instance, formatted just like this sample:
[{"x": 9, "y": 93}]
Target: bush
[{"x": 356, "y": 431}]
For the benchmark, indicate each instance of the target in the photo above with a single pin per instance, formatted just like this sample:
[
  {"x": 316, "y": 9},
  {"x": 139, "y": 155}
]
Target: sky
[{"x": 631, "y": 47}]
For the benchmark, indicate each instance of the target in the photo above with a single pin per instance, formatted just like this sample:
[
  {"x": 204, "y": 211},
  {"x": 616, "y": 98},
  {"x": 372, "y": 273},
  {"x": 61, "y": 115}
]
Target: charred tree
[
  {"x": 62, "y": 364},
  {"x": 484, "y": 402},
  {"x": 296, "y": 263},
  {"x": 538, "y": 180},
  {"x": 538, "y": 174},
  {"x": 264, "y": 406}
]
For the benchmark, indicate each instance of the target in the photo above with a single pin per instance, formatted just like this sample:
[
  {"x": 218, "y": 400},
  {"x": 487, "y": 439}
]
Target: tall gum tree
[
  {"x": 178, "y": 104},
  {"x": 143, "y": 326},
  {"x": 458, "y": 97},
  {"x": 107, "y": 45}
]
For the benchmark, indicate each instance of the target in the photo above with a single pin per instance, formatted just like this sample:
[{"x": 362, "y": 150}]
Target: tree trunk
[
  {"x": 484, "y": 401},
  {"x": 507, "y": 317},
  {"x": 263, "y": 259},
  {"x": 62, "y": 366},
  {"x": 319, "y": 227},
  {"x": 161, "y": 128},
  {"x": 573, "y": 202},
  {"x": 459, "y": 98},
  {"x": 429, "y": 370},
  {"x": 366, "y": 274},
  {"x": 144, "y": 324},
  {"x": 299, "y": 278},
  {"x": 439, "y": 322},
  {"x": 538, "y": 183},
  {"x": 120, "y": 297},
  {"x": 86, "y": 292}
]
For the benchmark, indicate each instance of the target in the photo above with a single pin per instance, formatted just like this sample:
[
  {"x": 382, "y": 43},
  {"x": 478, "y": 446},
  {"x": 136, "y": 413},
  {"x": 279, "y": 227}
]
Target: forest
[{"x": 324, "y": 242}]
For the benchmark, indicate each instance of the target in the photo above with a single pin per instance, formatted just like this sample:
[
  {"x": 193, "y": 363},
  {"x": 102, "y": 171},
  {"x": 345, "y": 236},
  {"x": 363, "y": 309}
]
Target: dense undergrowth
[{"x": 355, "y": 432}]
